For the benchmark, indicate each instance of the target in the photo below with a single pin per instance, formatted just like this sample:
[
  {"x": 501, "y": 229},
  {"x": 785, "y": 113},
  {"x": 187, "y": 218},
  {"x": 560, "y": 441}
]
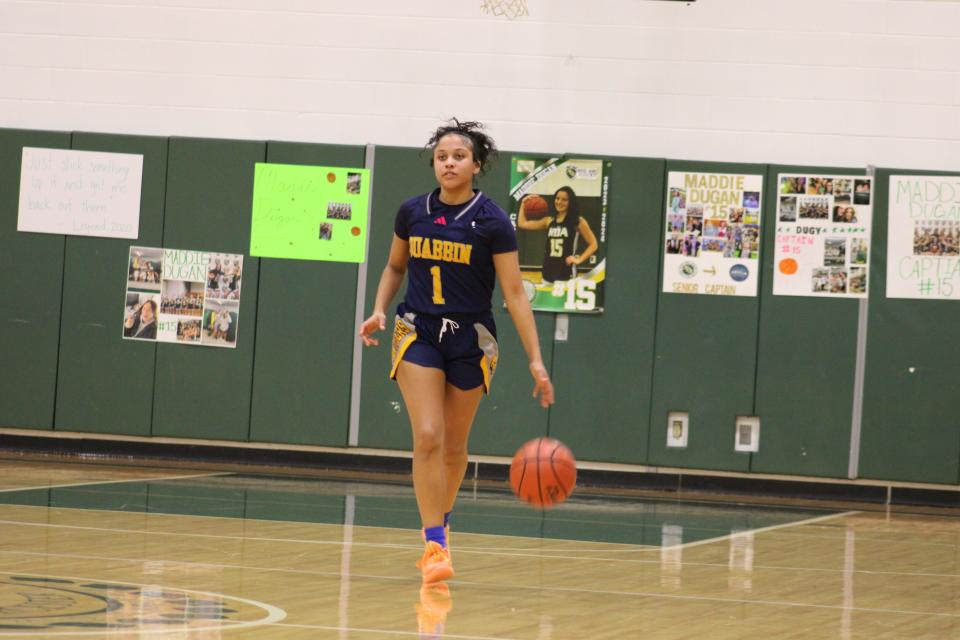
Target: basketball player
[
  {"x": 564, "y": 231},
  {"x": 450, "y": 243}
]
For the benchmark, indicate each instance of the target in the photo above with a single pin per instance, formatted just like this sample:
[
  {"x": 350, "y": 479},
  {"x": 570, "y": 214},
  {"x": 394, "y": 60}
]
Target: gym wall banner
[
  {"x": 712, "y": 233},
  {"x": 186, "y": 297},
  {"x": 560, "y": 207},
  {"x": 823, "y": 235}
]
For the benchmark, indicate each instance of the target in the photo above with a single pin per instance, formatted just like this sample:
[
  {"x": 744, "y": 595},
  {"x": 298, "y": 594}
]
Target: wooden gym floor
[{"x": 93, "y": 551}]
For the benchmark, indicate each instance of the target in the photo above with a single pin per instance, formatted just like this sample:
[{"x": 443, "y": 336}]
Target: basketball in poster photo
[
  {"x": 220, "y": 321},
  {"x": 144, "y": 269}
]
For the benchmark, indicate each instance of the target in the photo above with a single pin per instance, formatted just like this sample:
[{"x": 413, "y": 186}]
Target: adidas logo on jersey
[{"x": 441, "y": 220}]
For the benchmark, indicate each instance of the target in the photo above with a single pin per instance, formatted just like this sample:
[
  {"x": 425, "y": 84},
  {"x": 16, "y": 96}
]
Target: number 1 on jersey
[{"x": 437, "y": 287}]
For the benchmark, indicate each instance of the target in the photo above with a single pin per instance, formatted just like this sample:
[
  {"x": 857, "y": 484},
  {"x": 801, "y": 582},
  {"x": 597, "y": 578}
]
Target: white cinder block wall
[{"x": 822, "y": 82}]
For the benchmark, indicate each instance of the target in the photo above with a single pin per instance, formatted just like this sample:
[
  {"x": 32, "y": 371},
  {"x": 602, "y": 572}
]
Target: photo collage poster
[
  {"x": 823, "y": 235},
  {"x": 923, "y": 238},
  {"x": 186, "y": 297},
  {"x": 712, "y": 238},
  {"x": 560, "y": 208}
]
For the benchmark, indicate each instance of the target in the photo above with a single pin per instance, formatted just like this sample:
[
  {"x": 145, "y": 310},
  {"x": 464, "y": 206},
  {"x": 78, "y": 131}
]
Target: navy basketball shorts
[{"x": 464, "y": 348}]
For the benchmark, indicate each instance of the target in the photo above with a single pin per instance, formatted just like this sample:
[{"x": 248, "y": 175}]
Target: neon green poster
[{"x": 309, "y": 213}]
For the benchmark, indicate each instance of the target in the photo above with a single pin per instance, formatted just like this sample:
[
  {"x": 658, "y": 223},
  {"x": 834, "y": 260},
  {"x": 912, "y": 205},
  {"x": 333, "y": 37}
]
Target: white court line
[
  {"x": 388, "y": 632},
  {"x": 85, "y": 484},
  {"x": 498, "y": 586},
  {"x": 750, "y": 532}
]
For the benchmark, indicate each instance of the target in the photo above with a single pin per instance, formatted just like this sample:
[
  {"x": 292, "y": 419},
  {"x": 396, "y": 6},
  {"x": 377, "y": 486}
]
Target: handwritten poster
[
  {"x": 186, "y": 297},
  {"x": 560, "y": 207},
  {"x": 923, "y": 238},
  {"x": 712, "y": 243},
  {"x": 81, "y": 193},
  {"x": 309, "y": 212},
  {"x": 823, "y": 235}
]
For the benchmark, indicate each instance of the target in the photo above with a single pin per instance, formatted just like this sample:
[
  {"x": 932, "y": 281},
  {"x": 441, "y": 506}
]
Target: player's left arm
[
  {"x": 511, "y": 282},
  {"x": 587, "y": 234}
]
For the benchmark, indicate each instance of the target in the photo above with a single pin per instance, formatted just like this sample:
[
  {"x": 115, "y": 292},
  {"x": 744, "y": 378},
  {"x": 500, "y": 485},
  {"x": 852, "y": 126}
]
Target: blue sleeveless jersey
[{"x": 450, "y": 271}]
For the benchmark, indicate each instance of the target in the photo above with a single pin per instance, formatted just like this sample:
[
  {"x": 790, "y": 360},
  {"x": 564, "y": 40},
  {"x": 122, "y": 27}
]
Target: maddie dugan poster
[
  {"x": 186, "y": 297},
  {"x": 712, "y": 243},
  {"x": 923, "y": 238}
]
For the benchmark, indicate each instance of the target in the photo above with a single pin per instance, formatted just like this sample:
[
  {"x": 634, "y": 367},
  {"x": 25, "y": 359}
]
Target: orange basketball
[
  {"x": 543, "y": 472},
  {"x": 534, "y": 207}
]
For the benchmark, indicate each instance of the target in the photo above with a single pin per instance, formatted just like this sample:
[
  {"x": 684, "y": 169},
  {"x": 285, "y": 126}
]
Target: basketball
[
  {"x": 534, "y": 207},
  {"x": 543, "y": 472}
]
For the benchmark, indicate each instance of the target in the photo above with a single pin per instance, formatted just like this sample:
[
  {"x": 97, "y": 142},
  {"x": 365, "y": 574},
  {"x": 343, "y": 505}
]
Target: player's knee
[{"x": 428, "y": 438}]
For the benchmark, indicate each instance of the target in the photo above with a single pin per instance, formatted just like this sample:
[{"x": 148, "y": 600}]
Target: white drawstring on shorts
[{"x": 447, "y": 323}]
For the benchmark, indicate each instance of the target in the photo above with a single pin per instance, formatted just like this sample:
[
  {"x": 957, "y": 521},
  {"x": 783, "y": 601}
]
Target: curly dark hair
[{"x": 482, "y": 145}]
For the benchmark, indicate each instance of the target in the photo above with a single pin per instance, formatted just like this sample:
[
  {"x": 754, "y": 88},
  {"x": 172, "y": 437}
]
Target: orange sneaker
[
  {"x": 435, "y": 603},
  {"x": 446, "y": 534},
  {"x": 435, "y": 565}
]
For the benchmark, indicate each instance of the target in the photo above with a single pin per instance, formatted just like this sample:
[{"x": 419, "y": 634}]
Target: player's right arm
[
  {"x": 531, "y": 225},
  {"x": 390, "y": 281}
]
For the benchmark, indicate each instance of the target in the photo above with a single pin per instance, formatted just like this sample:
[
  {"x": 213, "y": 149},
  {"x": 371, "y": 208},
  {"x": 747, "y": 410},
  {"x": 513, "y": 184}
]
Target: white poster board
[
  {"x": 712, "y": 233},
  {"x": 823, "y": 235},
  {"x": 80, "y": 193},
  {"x": 181, "y": 296},
  {"x": 923, "y": 238}
]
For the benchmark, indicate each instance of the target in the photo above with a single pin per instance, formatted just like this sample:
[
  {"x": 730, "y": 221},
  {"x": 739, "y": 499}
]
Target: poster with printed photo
[
  {"x": 712, "y": 239},
  {"x": 187, "y": 297},
  {"x": 823, "y": 235},
  {"x": 560, "y": 207},
  {"x": 923, "y": 238}
]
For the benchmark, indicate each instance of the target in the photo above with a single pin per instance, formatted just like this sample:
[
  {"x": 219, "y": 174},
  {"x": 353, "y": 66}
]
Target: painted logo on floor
[{"x": 33, "y": 605}]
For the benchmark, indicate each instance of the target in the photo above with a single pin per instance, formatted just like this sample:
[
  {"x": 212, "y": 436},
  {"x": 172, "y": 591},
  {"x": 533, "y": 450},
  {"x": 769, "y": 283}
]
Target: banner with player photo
[
  {"x": 187, "y": 297},
  {"x": 712, "y": 243},
  {"x": 560, "y": 207},
  {"x": 923, "y": 238},
  {"x": 823, "y": 235}
]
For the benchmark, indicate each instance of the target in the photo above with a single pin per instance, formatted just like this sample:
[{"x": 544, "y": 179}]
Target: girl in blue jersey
[
  {"x": 452, "y": 244},
  {"x": 565, "y": 230}
]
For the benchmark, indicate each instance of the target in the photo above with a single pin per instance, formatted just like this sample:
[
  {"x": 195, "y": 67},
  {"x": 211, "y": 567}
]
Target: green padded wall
[
  {"x": 305, "y": 332},
  {"x": 604, "y": 371},
  {"x": 31, "y": 294},
  {"x": 204, "y": 392},
  {"x": 105, "y": 383},
  {"x": 705, "y": 361},
  {"x": 805, "y": 365},
  {"x": 909, "y": 418},
  {"x": 398, "y": 174}
]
